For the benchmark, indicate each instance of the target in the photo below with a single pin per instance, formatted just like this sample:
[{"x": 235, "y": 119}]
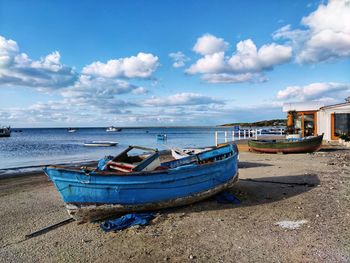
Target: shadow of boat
[
  {"x": 256, "y": 192},
  {"x": 252, "y": 165}
]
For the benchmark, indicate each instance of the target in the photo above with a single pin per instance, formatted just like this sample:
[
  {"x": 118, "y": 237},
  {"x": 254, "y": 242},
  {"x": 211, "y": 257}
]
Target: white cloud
[
  {"x": 100, "y": 88},
  {"x": 212, "y": 63},
  {"x": 141, "y": 66},
  {"x": 315, "y": 91},
  {"x": 182, "y": 99},
  {"x": 209, "y": 44},
  {"x": 179, "y": 59},
  {"x": 244, "y": 65},
  {"x": 227, "y": 78},
  {"x": 17, "y": 69},
  {"x": 327, "y": 33},
  {"x": 249, "y": 59}
]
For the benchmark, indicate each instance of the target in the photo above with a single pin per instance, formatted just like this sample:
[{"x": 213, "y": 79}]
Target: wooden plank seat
[{"x": 119, "y": 166}]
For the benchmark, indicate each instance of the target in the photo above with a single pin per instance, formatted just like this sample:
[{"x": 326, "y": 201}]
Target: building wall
[{"x": 324, "y": 124}]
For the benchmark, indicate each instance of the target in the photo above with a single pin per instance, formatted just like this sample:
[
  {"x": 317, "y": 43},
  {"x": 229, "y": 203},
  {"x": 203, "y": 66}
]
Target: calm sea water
[{"x": 55, "y": 145}]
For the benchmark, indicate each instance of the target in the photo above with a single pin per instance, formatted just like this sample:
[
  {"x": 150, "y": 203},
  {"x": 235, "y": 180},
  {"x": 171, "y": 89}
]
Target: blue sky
[{"x": 141, "y": 63}]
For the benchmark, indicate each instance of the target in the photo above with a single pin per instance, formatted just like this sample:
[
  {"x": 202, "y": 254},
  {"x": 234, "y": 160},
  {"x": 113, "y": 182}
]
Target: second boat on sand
[{"x": 308, "y": 144}]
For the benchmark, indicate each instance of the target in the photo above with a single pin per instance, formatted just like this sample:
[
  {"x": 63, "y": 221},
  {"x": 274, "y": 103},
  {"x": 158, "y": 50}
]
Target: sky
[{"x": 168, "y": 63}]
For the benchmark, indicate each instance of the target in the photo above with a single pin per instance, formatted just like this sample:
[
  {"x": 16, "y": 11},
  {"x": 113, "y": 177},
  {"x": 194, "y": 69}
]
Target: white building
[{"x": 314, "y": 118}]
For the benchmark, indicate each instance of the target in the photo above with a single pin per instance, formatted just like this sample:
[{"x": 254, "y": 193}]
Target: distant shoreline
[
  {"x": 264, "y": 123},
  {"x": 258, "y": 123}
]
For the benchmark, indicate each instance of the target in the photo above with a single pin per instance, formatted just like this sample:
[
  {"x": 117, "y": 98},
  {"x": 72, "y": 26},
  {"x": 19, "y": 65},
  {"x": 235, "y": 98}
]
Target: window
[
  {"x": 309, "y": 124},
  {"x": 341, "y": 124},
  {"x": 298, "y": 124}
]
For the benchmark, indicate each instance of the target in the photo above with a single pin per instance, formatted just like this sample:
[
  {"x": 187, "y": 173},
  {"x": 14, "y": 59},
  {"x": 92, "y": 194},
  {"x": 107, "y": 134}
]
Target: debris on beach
[
  {"x": 291, "y": 224},
  {"x": 227, "y": 198},
  {"x": 126, "y": 221}
]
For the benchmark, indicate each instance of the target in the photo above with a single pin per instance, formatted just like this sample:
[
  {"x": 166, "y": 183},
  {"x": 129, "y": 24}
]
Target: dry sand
[{"x": 204, "y": 232}]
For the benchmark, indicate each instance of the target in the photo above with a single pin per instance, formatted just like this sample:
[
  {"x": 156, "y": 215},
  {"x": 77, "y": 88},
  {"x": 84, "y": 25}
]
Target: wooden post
[
  {"x": 225, "y": 136},
  {"x": 256, "y": 134},
  {"x": 233, "y": 136},
  {"x": 239, "y": 134},
  {"x": 216, "y": 138}
]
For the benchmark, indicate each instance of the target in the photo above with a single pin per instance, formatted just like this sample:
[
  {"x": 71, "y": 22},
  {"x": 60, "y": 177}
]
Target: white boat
[
  {"x": 113, "y": 129},
  {"x": 72, "y": 130},
  {"x": 100, "y": 144}
]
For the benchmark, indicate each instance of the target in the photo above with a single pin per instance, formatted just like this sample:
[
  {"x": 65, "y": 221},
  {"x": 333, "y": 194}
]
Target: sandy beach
[{"x": 310, "y": 189}]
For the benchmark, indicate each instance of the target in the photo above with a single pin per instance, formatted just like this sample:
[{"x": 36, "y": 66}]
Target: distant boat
[
  {"x": 273, "y": 131},
  {"x": 5, "y": 131},
  {"x": 113, "y": 129},
  {"x": 161, "y": 137},
  {"x": 307, "y": 144},
  {"x": 72, "y": 129},
  {"x": 142, "y": 182},
  {"x": 100, "y": 144}
]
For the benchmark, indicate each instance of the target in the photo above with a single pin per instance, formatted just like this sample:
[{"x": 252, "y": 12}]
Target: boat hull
[
  {"x": 91, "y": 197},
  {"x": 92, "y": 212},
  {"x": 304, "y": 146}
]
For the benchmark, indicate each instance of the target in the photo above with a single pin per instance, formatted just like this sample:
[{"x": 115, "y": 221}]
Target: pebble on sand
[{"x": 291, "y": 224}]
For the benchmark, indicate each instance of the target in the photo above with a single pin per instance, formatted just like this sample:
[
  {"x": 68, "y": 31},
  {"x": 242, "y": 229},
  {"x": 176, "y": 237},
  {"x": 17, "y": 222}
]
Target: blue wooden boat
[{"x": 143, "y": 182}]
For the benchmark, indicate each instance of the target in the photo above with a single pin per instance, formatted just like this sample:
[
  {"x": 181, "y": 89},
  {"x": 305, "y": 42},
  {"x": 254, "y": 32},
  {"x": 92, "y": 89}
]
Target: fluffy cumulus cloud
[
  {"x": 209, "y": 44},
  {"x": 143, "y": 65},
  {"x": 246, "y": 64},
  {"x": 17, "y": 69},
  {"x": 250, "y": 59},
  {"x": 232, "y": 78},
  {"x": 100, "y": 88},
  {"x": 182, "y": 99},
  {"x": 179, "y": 59},
  {"x": 327, "y": 91},
  {"x": 325, "y": 36},
  {"x": 101, "y": 92},
  {"x": 211, "y": 63}
]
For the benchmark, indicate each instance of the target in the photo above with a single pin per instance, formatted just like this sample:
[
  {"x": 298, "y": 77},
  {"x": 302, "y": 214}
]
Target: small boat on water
[
  {"x": 162, "y": 137},
  {"x": 72, "y": 129},
  {"x": 302, "y": 145},
  {"x": 113, "y": 129},
  {"x": 5, "y": 131},
  {"x": 274, "y": 131},
  {"x": 146, "y": 181},
  {"x": 100, "y": 144}
]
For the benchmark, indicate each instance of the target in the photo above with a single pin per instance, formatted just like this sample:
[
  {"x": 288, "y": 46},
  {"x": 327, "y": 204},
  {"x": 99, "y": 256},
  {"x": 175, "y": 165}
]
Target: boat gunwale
[
  {"x": 286, "y": 142},
  {"x": 141, "y": 173}
]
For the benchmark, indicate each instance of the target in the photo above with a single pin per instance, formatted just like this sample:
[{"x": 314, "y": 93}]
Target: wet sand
[{"x": 203, "y": 232}]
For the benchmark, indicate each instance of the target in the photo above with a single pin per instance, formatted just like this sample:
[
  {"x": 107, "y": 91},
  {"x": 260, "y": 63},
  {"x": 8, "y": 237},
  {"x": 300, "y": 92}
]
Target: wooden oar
[{"x": 49, "y": 228}]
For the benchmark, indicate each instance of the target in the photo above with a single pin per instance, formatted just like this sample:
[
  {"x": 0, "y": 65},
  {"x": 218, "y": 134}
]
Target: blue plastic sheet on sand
[
  {"x": 127, "y": 221},
  {"x": 227, "y": 198},
  {"x": 102, "y": 163}
]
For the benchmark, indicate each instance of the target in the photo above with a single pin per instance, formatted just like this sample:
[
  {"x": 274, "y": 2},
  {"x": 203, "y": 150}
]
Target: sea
[{"x": 29, "y": 147}]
